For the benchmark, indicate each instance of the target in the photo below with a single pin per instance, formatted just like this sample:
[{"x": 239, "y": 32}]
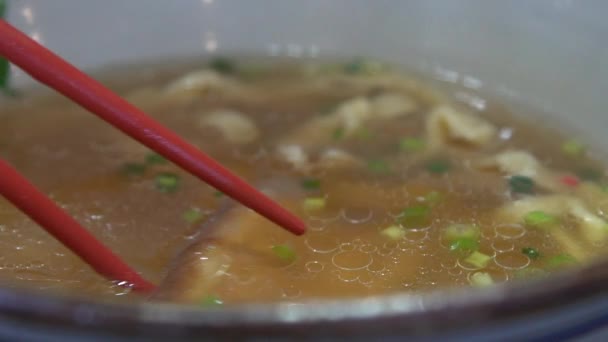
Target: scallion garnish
[
  {"x": 438, "y": 166},
  {"x": 167, "y": 182},
  {"x": 153, "y": 158},
  {"x": 193, "y": 215},
  {"x": 311, "y": 184},
  {"x": 532, "y": 253},
  {"x": 393, "y": 232},
  {"x": 133, "y": 169},
  {"x": 412, "y": 144},
  {"x": 481, "y": 279},
  {"x": 462, "y": 231},
  {"x": 314, "y": 203},
  {"x": 378, "y": 166},
  {"x": 540, "y": 219},
  {"x": 338, "y": 133},
  {"x": 5, "y": 66},
  {"x": 211, "y": 301},
  {"x": 573, "y": 148},
  {"x": 433, "y": 198},
  {"x": 521, "y": 184},
  {"x": 464, "y": 245},
  {"x": 561, "y": 260},
  {"x": 284, "y": 252},
  {"x": 222, "y": 65},
  {"x": 415, "y": 216},
  {"x": 478, "y": 259}
]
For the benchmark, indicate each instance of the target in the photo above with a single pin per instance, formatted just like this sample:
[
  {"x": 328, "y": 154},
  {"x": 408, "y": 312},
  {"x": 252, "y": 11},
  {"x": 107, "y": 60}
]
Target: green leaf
[
  {"x": 153, "y": 158},
  {"x": 167, "y": 182},
  {"x": 532, "y": 253},
  {"x": 311, "y": 184},
  {"x": 284, "y": 252},
  {"x": 540, "y": 219},
  {"x": 222, "y": 65},
  {"x": 464, "y": 245},
  {"x": 438, "y": 166},
  {"x": 211, "y": 301},
  {"x": 415, "y": 216},
  {"x": 314, "y": 203},
  {"x": 521, "y": 184},
  {"x": 193, "y": 215},
  {"x": 478, "y": 259}
]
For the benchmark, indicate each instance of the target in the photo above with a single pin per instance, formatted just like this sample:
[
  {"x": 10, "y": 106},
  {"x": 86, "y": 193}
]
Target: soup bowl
[{"x": 551, "y": 55}]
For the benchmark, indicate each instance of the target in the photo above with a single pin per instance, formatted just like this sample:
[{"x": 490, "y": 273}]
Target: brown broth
[{"x": 77, "y": 160}]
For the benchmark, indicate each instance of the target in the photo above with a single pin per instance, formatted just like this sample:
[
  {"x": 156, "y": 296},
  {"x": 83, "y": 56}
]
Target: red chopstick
[
  {"x": 64, "y": 228},
  {"x": 51, "y": 70}
]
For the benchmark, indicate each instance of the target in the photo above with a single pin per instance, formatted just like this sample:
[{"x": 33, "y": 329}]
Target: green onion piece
[
  {"x": 338, "y": 133},
  {"x": 378, "y": 166},
  {"x": 284, "y": 252},
  {"x": 481, "y": 279},
  {"x": 573, "y": 148},
  {"x": 167, "y": 182},
  {"x": 363, "y": 67},
  {"x": 218, "y": 194},
  {"x": 5, "y": 66},
  {"x": 393, "y": 232},
  {"x": 521, "y": 184},
  {"x": 364, "y": 134},
  {"x": 458, "y": 231},
  {"x": 415, "y": 216},
  {"x": 211, "y": 301},
  {"x": 412, "y": 144},
  {"x": 222, "y": 65},
  {"x": 433, "y": 198},
  {"x": 532, "y": 253},
  {"x": 133, "y": 169},
  {"x": 153, "y": 158},
  {"x": 540, "y": 219},
  {"x": 311, "y": 184},
  {"x": 561, "y": 260},
  {"x": 314, "y": 203},
  {"x": 464, "y": 245},
  {"x": 193, "y": 215},
  {"x": 438, "y": 166},
  {"x": 591, "y": 175},
  {"x": 478, "y": 259}
]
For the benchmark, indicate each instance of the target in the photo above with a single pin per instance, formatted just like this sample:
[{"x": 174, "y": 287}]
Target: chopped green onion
[
  {"x": 311, "y": 184},
  {"x": 153, "y": 158},
  {"x": 133, "y": 169},
  {"x": 412, "y": 144},
  {"x": 393, "y": 232},
  {"x": 521, "y": 184},
  {"x": 167, "y": 182},
  {"x": 591, "y": 175},
  {"x": 218, "y": 194},
  {"x": 481, "y": 279},
  {"x": 478, "y": 259},
  {"x": 433, "y": 198},
  {"x": 284, "y": 252},
  {"x": 561, "y": 261},
  {"x": 364, "y": 134},
  {"x": 378, "y": 166},
  {"x": 438, "y": 166},
  {"x": 222, "y": 65},
  {"x": 193, "y": 215},
  {"x": 338, "y": 133},
  {"x": 211, "y": 301},
  {"x": 314, "y": 203},
  {"x": 363, "y": 67},
  {"x": 540, "y": 219},
  {"x": 532, "y": 253},
  {"x": 462, "y": 231},
  {"x": 573, "y": 148},
  {"x": 5, "y": 66},
  {"x": 464, "y": 245},
  {"x": 415, "y": 216}
]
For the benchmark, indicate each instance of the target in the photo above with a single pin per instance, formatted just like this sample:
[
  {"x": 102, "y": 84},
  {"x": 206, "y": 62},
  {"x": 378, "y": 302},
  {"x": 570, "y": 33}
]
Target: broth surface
[{"x": 398, "y": 196}]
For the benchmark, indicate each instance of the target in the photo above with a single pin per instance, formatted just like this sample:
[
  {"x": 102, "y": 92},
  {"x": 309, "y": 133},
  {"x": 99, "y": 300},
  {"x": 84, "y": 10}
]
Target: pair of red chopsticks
[{"x": 50, "y": 69}]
